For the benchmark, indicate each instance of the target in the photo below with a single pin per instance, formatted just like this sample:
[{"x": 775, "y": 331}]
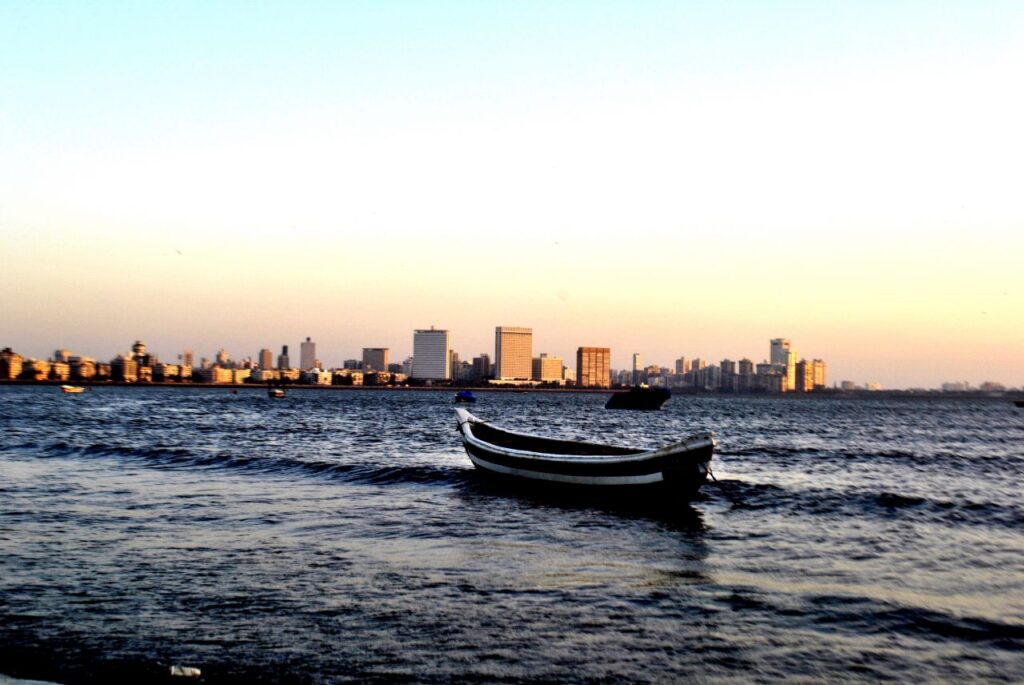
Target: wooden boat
[
  {"x": 679, "y": 469},
  {"x": 639, "y": 398},
  {"x": 72, "y": 388}
]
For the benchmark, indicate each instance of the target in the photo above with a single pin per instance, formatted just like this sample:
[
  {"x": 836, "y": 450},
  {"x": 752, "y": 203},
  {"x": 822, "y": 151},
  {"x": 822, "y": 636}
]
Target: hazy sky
[{"x": 670, "y": 178}]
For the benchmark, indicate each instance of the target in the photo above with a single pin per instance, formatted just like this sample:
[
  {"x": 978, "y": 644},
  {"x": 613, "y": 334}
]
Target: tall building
[
  {"x": 266, "y": 359},
  {"x": 222, "y": 358},
  {"x": 593, "y": 367},
  {"x": 547, "y": 369},
  {"x": 682, "y": 366},
  {"x": 307, "y": 355},
  {"x": 819, "y": 370},
  {"x": 431, "y": 354},
  {"x": 188, "y": 358},
  {"x": 513, "y": 353},
  {"x": 803, "y": 376},
  {"x": 283, "y": 362},
  {"x": 482, "y": 366},
  {"x": 638, "y": 366},
  {"x": 375, "y": 359},
  {"x": 779, "y": 351}
]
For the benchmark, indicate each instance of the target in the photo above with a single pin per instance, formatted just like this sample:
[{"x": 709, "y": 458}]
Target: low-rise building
[
  {"x": 124, "y": 369},
  {"x": 11, "y": 364},
  {"x": 60, "y": 371}
]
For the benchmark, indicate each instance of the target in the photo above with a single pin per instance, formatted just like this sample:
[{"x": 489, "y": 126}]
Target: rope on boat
[{"x": 725, "y": 490}]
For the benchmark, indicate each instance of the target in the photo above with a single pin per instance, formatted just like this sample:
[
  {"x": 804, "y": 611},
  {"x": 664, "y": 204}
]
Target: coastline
[{"x": 687, "y": 392}]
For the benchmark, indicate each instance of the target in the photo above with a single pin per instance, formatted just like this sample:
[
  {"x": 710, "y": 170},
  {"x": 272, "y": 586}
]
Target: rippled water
[{"x": 339, "y": 536}]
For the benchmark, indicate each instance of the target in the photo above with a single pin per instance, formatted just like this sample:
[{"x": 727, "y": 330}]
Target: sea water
[{"x": 343, "y": 536}]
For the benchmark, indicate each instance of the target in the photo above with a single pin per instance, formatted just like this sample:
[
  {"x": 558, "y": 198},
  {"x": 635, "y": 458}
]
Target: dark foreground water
[{"x": 339, "y": 536}]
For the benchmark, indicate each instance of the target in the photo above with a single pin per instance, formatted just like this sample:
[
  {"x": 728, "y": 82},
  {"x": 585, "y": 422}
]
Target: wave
[
  {"x": 867, "y": 503},
  {"x": 265, "y": 464}
]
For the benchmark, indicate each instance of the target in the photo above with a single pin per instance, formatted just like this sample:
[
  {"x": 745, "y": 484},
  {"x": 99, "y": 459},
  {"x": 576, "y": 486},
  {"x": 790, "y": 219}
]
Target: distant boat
[
  {"x": 639, "y": 398},
  {"x": 679, "y": 469},
  {"x": 1018, "y": 403},
  {"x": 72, "y": 388},
  {"x": 465, "y": 397},
  {"x": 275, "y": 392}
]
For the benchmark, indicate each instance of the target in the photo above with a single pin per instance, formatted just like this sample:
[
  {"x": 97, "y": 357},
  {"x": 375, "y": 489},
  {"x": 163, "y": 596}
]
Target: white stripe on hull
[{"x": 644, "y": 479}]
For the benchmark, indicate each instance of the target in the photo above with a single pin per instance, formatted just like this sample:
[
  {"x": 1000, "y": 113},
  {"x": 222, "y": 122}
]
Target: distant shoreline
[{"x": 825, "y": 394}]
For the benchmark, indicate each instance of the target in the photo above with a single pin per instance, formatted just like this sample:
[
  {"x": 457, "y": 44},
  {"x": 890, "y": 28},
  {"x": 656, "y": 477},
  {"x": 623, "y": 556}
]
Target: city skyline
[{"x": 240, "y": 177}]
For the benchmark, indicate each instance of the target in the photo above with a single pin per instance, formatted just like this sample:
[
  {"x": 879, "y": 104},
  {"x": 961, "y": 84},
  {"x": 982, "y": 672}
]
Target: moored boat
[
  {"x": 680, "y": 468},
  {"x": 639, "y": 398},
  {"x": 72, "y": 388}
]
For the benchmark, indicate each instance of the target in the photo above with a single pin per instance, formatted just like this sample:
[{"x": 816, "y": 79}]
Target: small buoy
[{"x": 185, "y": 671}]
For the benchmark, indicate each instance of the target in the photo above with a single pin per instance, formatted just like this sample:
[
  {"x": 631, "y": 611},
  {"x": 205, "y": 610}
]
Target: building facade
[
  {"x": 547, "y": 369},
  {"x": 593, "y": 367},
  {"x": 431, "y": 354},
  {"x": 513, "y": 353},
  {"x": 375, "y": 359},
  {"x": 307, "y": 354}
]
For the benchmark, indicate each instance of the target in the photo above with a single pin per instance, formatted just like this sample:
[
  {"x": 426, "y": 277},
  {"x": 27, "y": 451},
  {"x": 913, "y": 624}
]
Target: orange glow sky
[{"x": 674, "y": 181}]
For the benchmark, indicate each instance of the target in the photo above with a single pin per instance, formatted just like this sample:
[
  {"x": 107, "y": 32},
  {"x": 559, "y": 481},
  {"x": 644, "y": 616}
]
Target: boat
[
  {"x": 639, "y": 398},
  {"x": 678, "y": 469},
  {"x": 1018, "y": 403},
  {"x": 72, "y": 388},
  {"x": 275, "y": 392},
  {"x": 465, "y": 397}
]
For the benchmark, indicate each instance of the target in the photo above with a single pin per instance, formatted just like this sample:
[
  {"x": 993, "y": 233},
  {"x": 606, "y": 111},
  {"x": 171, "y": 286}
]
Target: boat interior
[{"x": 532, "y": 443}]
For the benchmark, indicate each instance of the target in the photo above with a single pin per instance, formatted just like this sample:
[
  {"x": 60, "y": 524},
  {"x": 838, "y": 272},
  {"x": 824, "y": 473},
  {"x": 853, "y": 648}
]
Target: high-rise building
[
  {"x": 188, "y": 358},
  {"x": 803, "y": 376},
  {"x": 266, "y": 358},
  {"x": 638, "y": 366},
  {"x": 819, "y": 370},
  {"x": 682, "y": 366},
  {"x": 513, "y": 353},
  {"x": 593, "y": 367},
  {"x": 431, "y": 354},
  {"x": 222, "y": 359},
  {"x": 482, "y": 366},
  {"x": 307, "y": 355},
  {"x": 779, "y": 351},
  {"x": 283, "y": 362},
  {"x": 547, "y": 369},
  {"x": 375, "y": 359}
]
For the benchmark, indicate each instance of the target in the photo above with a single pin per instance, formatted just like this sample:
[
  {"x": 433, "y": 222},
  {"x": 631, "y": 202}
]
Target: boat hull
[{"x": 681, "y": 468}]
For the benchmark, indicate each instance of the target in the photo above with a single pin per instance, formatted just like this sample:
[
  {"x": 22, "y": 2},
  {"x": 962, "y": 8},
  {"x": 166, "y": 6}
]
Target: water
[{"x": 343, "y": 536}]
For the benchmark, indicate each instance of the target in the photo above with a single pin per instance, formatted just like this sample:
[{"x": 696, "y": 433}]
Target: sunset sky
[{"x": 669, "y": 178}]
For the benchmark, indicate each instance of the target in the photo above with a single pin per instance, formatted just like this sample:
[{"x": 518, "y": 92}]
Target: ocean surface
[{"x": 343, "y": 536}]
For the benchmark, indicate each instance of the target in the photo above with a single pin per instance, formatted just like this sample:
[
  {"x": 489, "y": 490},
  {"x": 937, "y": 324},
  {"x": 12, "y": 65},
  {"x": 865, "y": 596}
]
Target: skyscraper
[
  {"x": 375, "y": 359},
  {"x": 638, "y": 366},
  {"x": 593, "y": 367},
  {"x": 283, "y": 362},
  {"x": 307, "y": 355},
  {"x": 431, "y": 354},
  {"x": 266, "y": 359},
  {"x": 783, "y": 358},
  {"x": 513, "y": 353}
]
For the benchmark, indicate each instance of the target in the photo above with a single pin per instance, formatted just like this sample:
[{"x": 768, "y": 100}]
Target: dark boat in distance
[
  {"x": 639, "y": 398},
  {"x": 678, "y": 469},
  {"x": 1018, "y": 403},
  {"x": 465, "y": 397}
]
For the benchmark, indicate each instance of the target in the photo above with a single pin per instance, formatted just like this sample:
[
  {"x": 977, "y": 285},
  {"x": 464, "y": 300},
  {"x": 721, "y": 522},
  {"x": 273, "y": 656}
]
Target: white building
[
  {"x": 513, "y": 353},
  {"x": 307, "y": 355},
  {"x": 431, "y": 354}
]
